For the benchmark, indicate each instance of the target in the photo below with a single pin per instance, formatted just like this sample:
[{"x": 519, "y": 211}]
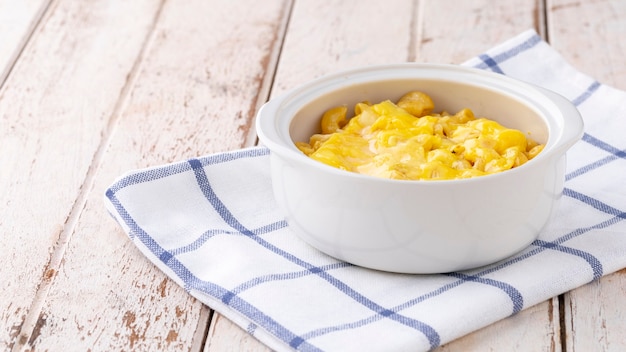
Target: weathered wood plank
[
  {"x": 327, "y": 36},
  {"x": 454, "y": 31},
  {"x": 54, "y": 109},
  {"x": 594, "y": 44},
  {"x": 526, "y": 331},
  {"x": 590, "y": 35},
  {"x": 595, "y": 315},
  {"x": 224, "y": 335},
  {"x": 17, "y": 21},
  {"x": 194, "y": 91}
]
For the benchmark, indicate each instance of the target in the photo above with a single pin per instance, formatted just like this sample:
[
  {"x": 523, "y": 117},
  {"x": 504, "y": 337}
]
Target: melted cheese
[{"x": 385, "y": 140}]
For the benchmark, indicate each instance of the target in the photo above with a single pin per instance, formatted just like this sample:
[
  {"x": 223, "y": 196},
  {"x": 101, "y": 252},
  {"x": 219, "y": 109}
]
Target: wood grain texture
[
  {"x": 594, "y": 44},
  {"x": 224, "y": 335},
  {"x": 527, "y": 331},
  {"x": 595, "y": 315},
  {"x": 454, "y": 31},
  {"x": 590, "y": 35},
  {"x": 333, "y": 35},
  {"x": 18, "y": 19},
  {"x": 51, "y": 124},
  {"x": 202, "y": 79},
  {"x": 192, "y": 92}
]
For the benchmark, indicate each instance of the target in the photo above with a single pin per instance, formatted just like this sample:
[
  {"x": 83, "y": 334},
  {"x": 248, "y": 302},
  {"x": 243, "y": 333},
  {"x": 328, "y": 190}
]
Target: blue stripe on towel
[
  {"x": 595, "y": 203},
  {"x": 595, "y": 264},
  {"x": 183, "y": 166},
  {"x": 287, "y": 276},
  {"x": 514, "y": 294},
  {"x": 586, "y": 94},
  {"x": 218, "y": 205},
  {"x": 492, "y": 62},
  {"x": 193, "y": 282},
  {"x": 603, "y": 145}
]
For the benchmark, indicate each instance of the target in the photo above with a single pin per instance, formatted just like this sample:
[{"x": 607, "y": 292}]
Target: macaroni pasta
[{"x": 407, "y": 141}]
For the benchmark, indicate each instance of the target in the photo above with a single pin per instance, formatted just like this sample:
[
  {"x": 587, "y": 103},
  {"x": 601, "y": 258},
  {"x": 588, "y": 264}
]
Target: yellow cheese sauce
[{"x": 406, "y": 140}]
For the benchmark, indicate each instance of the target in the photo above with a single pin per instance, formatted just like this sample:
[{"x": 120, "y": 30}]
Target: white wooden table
[{"x": 91, "y": 89}]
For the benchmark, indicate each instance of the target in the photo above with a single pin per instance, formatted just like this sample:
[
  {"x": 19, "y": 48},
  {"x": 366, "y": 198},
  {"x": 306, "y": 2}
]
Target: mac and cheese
[{"x": 407, "y": 141}]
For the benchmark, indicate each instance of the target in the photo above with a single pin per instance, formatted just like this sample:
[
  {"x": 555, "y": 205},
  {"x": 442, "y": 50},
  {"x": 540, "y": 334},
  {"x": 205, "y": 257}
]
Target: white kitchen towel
[{"x": 211, "y": 224}]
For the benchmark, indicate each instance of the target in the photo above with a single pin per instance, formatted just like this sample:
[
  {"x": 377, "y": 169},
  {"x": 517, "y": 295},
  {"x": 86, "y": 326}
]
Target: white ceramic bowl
[{"x": 419, "y": 226}]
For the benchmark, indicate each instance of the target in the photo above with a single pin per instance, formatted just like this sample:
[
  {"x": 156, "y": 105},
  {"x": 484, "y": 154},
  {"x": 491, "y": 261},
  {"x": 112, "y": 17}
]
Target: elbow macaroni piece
[{"x": 407, "y": 141}]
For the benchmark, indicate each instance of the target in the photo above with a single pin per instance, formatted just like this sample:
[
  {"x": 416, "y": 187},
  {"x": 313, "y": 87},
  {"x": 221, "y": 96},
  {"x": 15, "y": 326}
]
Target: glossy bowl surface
[{"x": 419, "y": 226}]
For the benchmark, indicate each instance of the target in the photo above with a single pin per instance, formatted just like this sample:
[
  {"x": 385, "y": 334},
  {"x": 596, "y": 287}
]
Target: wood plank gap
[
  {"x": 415, "y": 30},
  {"x": 271, "y": 66},
  {"x": 542, "y": 20},
  {"x": 202, "y": 331},
  {"x": 562, "y": 325},
  {"x": 34, "y": 314},
  {"x": 37, "y": 20}
]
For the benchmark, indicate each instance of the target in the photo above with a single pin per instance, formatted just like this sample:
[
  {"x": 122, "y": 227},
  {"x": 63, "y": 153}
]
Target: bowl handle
[{"x": 573, "y": 125}]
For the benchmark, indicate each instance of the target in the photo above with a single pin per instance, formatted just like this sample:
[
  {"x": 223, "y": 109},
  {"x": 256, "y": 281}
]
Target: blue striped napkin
[{"x": 211, "y": 224}]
